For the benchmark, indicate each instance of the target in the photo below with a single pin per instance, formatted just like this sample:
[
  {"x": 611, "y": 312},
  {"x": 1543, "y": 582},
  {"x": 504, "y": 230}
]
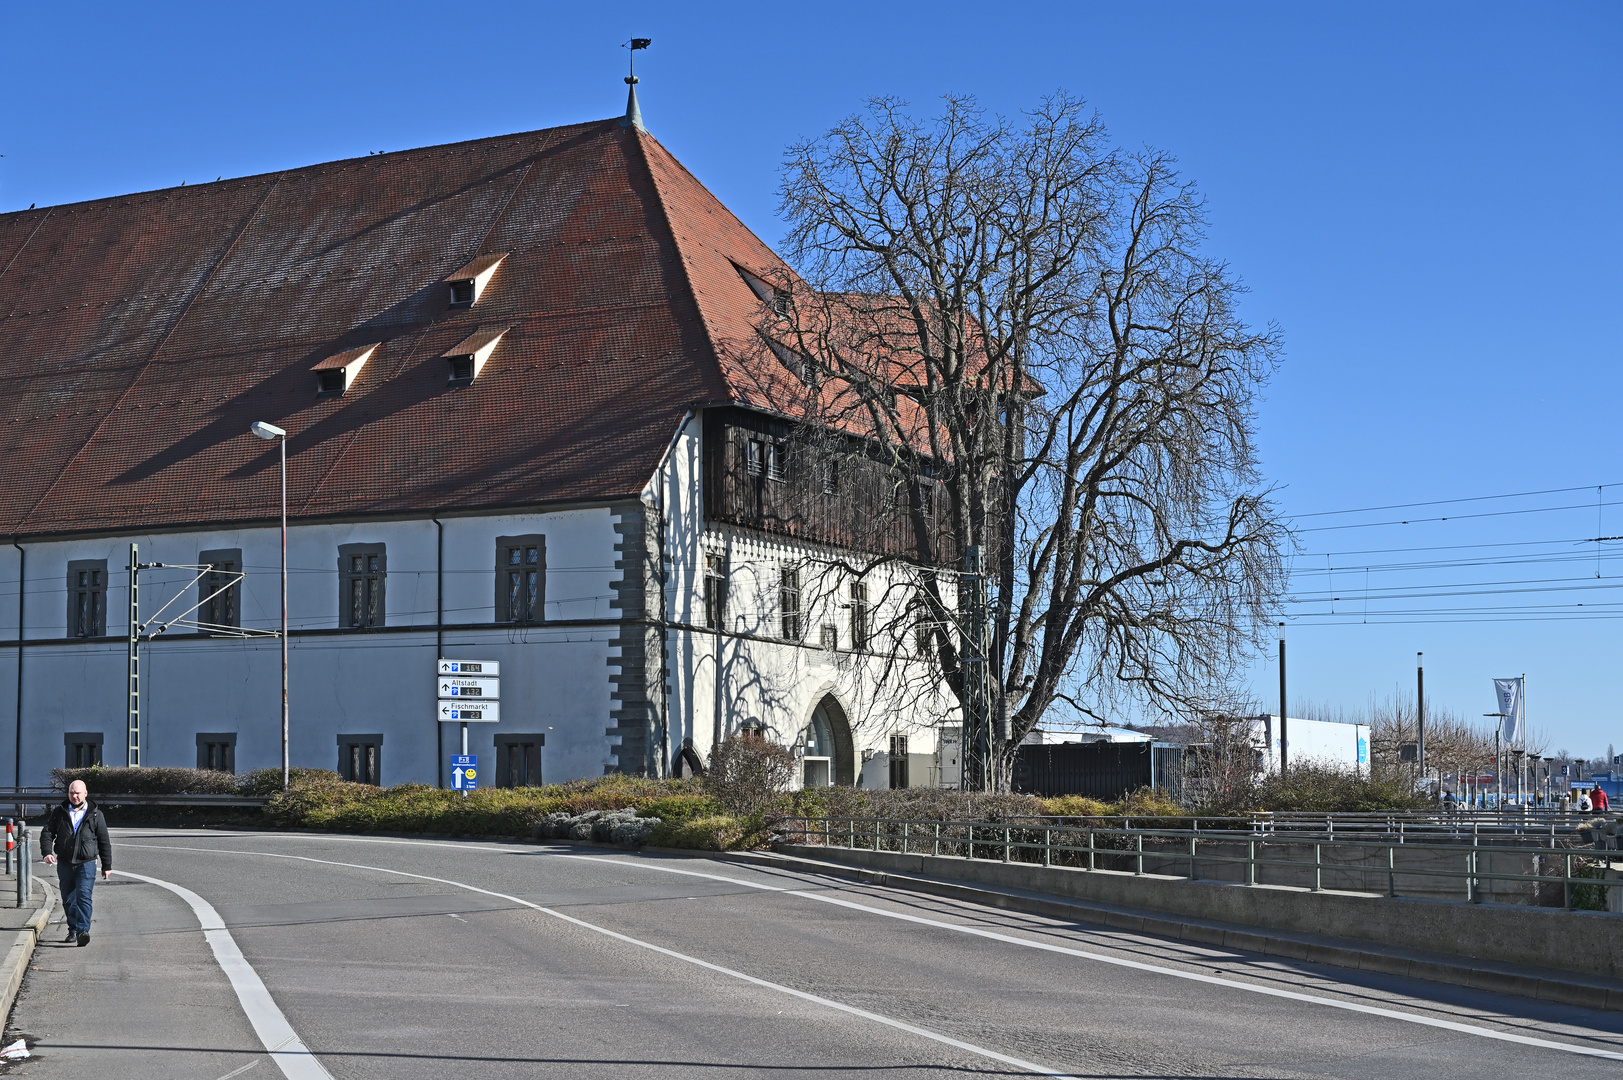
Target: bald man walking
[{"x": 73, "y": 837}]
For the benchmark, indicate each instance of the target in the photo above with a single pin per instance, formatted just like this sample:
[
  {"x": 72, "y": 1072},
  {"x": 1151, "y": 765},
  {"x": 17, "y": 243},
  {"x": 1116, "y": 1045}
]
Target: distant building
[{"x": 529, "y": 421}]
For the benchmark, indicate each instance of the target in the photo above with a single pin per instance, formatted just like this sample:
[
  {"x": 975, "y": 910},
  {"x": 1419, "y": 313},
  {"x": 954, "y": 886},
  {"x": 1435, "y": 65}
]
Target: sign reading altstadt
[{"x": 467, "y": 691}]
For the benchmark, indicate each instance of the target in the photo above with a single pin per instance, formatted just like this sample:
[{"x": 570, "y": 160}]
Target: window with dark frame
[
  {"x": 363, "y": 570},
  {"x": 217, "y": 751},
  {"x": 860, "y": 614},
  {"x": 518, "y": 760},
  {"x": 755, "y": 456},
  {"x": 715, "y": 591},
  {"x": 829, "y": 468},
  {"x": 898, "y": 761},
  {"x": 82, "y": 749},
  {"x": 924, "y": 498},
  {"x": 330, "y": 383},
  {"x": 360, "y": 759},
  {"x": 462, "y": 293},
  {"x": 521, "y": 578},
  {"x": 461, "y": 369},
  {"x": 219, "y": 590},
  {"x": 87, "y": 598},
  {"x": 789, "y": 602},
  {"x": 829, "y": 637}
]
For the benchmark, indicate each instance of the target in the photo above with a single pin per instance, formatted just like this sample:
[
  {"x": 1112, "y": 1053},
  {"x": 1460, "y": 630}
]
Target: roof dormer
[
  {"x": 469, "y": 282},
  {"x": 467, "y": 358},
  {"x": 335, "y": 374},
  {"x": 769, "y": 294}
]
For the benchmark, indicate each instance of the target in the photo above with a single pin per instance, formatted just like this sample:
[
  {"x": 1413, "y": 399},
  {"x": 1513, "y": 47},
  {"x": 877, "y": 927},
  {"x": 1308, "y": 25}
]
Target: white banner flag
[{"x": 1511, "y": 726}]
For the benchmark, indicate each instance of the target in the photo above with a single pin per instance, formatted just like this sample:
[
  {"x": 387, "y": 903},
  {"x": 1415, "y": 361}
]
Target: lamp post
[{"x": 270, "y": 432}]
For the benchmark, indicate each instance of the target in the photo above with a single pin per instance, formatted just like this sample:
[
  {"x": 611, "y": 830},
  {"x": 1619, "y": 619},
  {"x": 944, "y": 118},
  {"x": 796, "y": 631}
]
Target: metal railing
[
  {"x": 20, "y": 799},
  {"x": 1467, "y": 866}
]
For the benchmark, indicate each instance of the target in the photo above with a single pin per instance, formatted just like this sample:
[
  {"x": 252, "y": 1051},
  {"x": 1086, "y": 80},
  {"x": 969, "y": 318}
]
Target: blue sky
[{"x": 1425, "y": 197}]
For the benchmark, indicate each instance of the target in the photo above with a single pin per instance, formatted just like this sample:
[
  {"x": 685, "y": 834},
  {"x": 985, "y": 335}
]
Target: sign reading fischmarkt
[
  {"x": 467, "y": 691},
  {"x": 471, "y": 712}
]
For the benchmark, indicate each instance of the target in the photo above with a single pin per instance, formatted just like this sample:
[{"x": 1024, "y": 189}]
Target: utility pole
[
  {"x": 1420, "y": 712},
  {"x": 132, "y": 744},
  {"x": 1284, "y": 742}
]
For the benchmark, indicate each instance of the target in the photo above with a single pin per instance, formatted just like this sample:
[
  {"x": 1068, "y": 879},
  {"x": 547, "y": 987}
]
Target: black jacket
[{"x": 59, "y": 839}]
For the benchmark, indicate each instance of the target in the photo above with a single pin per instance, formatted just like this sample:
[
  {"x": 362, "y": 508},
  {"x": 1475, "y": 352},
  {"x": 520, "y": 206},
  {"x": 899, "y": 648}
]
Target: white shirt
[{"x": 77, "y": 813}]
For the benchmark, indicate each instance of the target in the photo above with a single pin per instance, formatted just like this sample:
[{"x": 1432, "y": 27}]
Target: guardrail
[
  {"x": 1464, "y": 867},
  {"x": 45, "y": 797}
]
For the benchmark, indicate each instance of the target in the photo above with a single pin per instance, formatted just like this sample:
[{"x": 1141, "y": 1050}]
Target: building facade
[{"x": 528, "y": 421}]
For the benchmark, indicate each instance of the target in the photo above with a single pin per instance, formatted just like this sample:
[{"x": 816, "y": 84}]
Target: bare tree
[{"x": 1016, "y": 322}]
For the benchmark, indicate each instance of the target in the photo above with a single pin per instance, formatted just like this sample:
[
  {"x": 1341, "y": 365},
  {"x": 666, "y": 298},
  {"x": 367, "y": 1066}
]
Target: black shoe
[
  {"x": 72, "y": 936},
  {"x": 84, "y": 938}
]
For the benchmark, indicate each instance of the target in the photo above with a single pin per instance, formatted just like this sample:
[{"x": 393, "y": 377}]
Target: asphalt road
[{"x": 367, "y": 957}]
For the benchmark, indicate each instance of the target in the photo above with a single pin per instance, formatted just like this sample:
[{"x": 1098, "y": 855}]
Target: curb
[
  {"x": 22, "y": 951},
  {"x": 1559, "y": 987}
]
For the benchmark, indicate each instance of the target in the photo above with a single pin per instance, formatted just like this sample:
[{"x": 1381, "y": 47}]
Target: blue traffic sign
[{"x": 464, "y": 772}]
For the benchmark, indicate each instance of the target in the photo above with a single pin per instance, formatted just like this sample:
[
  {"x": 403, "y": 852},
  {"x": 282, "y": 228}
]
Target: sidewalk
[{"x": 21, "y": 928}]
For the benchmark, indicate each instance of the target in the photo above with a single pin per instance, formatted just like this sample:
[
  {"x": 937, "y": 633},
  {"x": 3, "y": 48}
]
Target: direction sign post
[
  {"x": 467, "y": 691},
  {"x": 471, "y": 711}
]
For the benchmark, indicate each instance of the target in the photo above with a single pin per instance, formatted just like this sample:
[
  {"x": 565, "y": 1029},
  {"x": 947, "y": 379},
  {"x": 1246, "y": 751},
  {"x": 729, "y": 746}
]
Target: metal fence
[{"x": 1467, "y": 866}]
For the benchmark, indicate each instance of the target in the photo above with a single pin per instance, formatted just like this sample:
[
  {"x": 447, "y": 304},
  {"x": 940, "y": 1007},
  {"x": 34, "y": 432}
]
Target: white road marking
[
  {"x": 275, "y": 1033},
  {"x": 1137, "y": 965},
  {"x": 901, "y": 1025}
]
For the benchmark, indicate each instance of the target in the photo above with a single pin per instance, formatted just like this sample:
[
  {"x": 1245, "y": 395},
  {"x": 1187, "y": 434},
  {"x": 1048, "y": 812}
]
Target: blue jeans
[{"x": 76, "y": 879}]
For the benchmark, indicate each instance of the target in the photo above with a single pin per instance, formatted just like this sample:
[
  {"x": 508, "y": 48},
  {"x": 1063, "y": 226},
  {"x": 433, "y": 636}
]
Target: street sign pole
[{"x": 471, "y": 683}]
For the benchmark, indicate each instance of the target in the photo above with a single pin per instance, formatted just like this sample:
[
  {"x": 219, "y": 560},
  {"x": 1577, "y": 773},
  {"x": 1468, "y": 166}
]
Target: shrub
[
  {"x": 1076, "y": 806},
  {"x": 748, "y": 774},
  {"x": 263, "y": 783},
  {"x": 1318, "y": 787},
  {"x": 121, "y": 781},
  {"x": 717, "y": 833}
]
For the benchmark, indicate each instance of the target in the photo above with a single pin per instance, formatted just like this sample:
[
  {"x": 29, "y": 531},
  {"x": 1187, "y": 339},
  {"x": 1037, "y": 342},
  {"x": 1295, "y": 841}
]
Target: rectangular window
[
  {"x": 217, "y": 751},
  {"x": 83, "y": 749},
  {"x": 924, "y": 640},
  {"x": 518, "y": 760},
  {"x": 898, "y": 761},
  {"x": 764, "y": 457},
  {"x": 220, "y": 589},
  {"x": 362, "y": 572},
  {"x": 521, "y": 578},
  {"x": 924, "y": 498},
  {"x": 829, "y": 637},
  {"x": 87, "y": 597},
  {"x": 830, "y": 469},
  {"x": 789, "y": 602},
  {"x": 715, "y": 591},
  {"x": 360, "y": 758},
  {"x": 859, "y": 616}
]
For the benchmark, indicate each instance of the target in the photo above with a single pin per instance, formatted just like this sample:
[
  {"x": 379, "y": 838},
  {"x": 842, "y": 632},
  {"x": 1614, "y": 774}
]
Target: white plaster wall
[
  {"x": 763, "y": 679},
  {"x": 555, "y": 675}
]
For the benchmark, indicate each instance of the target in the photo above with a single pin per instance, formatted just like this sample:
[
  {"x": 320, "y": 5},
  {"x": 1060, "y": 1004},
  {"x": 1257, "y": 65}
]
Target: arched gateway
[{"x": 828, "y": 757}]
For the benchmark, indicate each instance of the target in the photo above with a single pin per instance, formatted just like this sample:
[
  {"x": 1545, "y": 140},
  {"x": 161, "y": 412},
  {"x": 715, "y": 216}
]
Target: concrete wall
[{"x": 1580, "y": 941}]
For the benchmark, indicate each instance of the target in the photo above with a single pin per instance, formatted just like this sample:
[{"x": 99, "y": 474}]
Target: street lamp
[{"x": 269, "y": 432}]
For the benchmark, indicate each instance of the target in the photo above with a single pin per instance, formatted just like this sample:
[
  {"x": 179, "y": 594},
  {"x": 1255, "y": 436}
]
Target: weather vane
[{"x": 634, "y": 44}]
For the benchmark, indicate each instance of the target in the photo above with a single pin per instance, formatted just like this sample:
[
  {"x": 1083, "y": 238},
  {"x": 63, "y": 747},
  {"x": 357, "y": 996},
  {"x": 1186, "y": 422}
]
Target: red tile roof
[{"x": 141, "y": 335}]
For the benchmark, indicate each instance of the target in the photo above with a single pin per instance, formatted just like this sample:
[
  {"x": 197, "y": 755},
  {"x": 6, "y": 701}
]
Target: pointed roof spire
[{"x": 633, "y": 116}]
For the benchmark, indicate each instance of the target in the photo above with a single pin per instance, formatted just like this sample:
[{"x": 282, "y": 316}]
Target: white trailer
[{"x": 1342, "y": 745}]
